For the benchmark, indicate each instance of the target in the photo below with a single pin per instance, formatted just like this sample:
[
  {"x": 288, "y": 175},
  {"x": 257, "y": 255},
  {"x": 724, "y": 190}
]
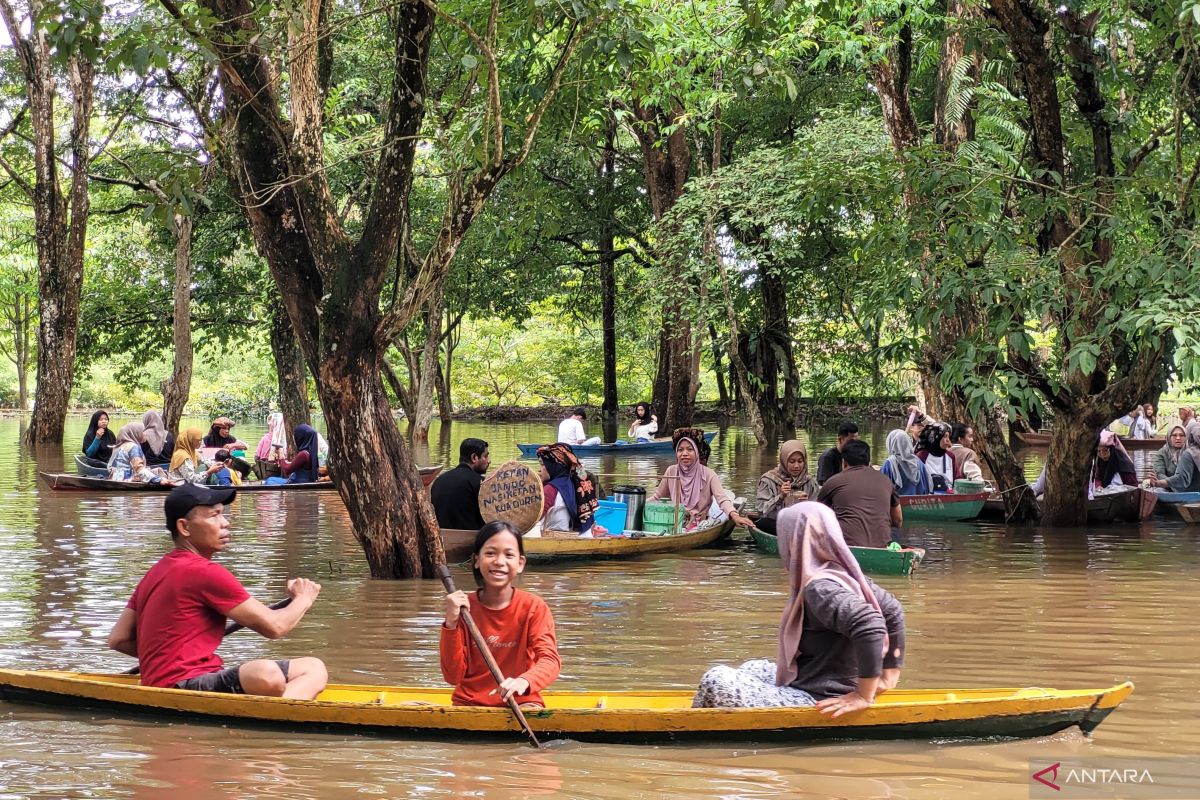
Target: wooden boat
[
  {"x": 925, "y": 507},
  {"x": 1131, "y": 506},
  {"x": 874, "y": 560},
  {"x": 66, "y": 482},
  {"x": 90, "y": 467},
  {"x": 616, "y": 716},
  {"x": 614, "y": 448},
  {"x": 1042, "y": 439},
  {"x": 1190, "y": 513},
  {"x": 562, "y": 545}
]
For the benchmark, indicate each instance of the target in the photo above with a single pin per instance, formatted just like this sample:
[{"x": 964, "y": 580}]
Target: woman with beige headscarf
[
  {"x": 841, "y": 639},
  {"x": 785, "y": 485},
  {"x": 186, "y": 464},
  {"x": 1187, "y": 471}
]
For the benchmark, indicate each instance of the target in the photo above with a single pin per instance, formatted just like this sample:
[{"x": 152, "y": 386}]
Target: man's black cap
[{"x": 185, "y": 497}]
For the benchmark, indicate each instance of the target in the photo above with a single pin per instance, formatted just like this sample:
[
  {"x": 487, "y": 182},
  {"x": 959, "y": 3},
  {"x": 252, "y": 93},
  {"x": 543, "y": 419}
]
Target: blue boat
[
  {"x": 616, "y": 448},
  {"x": 1176, "y": 498}
]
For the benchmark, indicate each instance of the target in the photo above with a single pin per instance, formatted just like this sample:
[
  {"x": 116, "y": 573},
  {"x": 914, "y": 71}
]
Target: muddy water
[{"x": 989, "y": 607}]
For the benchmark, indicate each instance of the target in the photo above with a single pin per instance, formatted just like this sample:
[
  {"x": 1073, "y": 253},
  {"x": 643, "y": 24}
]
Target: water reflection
[{"x": 991, "y": 606}]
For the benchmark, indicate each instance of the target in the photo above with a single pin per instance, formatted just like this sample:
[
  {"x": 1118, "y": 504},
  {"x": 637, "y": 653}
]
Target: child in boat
[
  {"x": 517, "y": 626},
  {"x": 841, "y": 639}
]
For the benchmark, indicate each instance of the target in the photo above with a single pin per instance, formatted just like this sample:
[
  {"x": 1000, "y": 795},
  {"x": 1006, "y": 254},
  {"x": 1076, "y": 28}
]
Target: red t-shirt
[
  {"x": 181, "y": 605},
  {"x": 521, "y": 638}
]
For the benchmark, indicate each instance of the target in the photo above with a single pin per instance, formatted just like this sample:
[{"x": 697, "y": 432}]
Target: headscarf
[
  {"x": 187, "y": 447},
  {"x": 693, "y": 481},
  {"x": 1176, "y": 453},
  {"x": 134, "y": 432},
  {"x": 108, "y": 439},
  {"x": 780, "y": 474},
  {"x": 905, "y": 463},
  {"x": 637, "y": 411},
  {"x": 571, "y": 481},
  {"x": 931, "y": 439},
  {"x": 276, "y": 436},
  {"x": 214, "y": 437},
  {"x": 306, "y": 439},
  {"x": 812, "y": 548},
  {"x": 1118, "y": 459},
  {"x": 1193, "y": 440},
  {"x": 156, "y": 430}
]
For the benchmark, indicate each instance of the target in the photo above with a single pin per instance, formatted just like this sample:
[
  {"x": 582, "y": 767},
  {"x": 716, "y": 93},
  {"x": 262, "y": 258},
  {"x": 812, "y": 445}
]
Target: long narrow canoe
[
  {"x": 562, "y": 545},
  {"x": 76, "y": 483},
  {"x": 614, "y": 448},
  {"x": 90, "y": 467},
  {"x": 1134, "y": 505},
  {"x": 1190, "y": 513},
  {"x": 617, "y": 716},
  {"x": 874, "y": 560},
  {"x": 1042, "y": 439},
  {"x": 942, "y": 506}
]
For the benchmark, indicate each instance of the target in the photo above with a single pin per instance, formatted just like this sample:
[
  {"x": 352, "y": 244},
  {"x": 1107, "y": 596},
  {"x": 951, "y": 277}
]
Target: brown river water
[{"x": 989, "y": 607}]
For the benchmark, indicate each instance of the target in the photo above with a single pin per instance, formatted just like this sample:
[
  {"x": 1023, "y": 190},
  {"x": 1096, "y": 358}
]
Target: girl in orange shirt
[{"x": 517, "y": 626}]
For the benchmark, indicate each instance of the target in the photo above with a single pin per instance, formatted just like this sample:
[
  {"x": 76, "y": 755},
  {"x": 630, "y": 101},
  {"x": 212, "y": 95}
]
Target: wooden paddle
[
  {"x": 230, "y": 628},
  {"x": 488, "y": 658}
]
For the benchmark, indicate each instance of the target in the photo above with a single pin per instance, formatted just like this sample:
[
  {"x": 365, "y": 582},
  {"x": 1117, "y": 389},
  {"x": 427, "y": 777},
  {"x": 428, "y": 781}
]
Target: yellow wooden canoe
[
  {"x": 555, "y": 545},
  {"x": 622, "y": 716}
]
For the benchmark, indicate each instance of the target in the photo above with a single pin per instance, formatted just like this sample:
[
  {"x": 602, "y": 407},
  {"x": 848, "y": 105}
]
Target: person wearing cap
[
  {"x": 219, "y": 436},
  {"x": 570, "y": 430},
  {"x": 175, "y": 619}
]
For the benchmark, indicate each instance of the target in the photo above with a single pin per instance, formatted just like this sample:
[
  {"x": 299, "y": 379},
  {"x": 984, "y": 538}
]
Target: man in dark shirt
[
  {"x": 831, "y": 460},
  {"x": 455, "y": 494},
  {"x": 863, "y": 498}
]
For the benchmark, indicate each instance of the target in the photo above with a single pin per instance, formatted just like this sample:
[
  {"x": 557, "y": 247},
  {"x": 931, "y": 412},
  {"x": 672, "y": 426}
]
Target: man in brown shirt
[{"x": 864, "y": 499}]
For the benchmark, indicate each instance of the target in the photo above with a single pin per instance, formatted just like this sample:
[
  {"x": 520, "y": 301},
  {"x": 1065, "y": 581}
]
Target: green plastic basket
[
  {"x": 964, "y": 486},
  {"x": 662, "y": 517}
]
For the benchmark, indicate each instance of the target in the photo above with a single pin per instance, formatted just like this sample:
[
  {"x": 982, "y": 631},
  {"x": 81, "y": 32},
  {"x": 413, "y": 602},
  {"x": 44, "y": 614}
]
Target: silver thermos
[{"x": 634, "y": 497}]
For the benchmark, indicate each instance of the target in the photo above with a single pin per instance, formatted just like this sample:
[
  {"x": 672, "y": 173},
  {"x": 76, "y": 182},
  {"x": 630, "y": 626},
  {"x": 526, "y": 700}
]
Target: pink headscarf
[
  {"x": 1110, "y": 439},
  {"x": 693, "y": 481},
  {"x": 276, "y": 436},
  {"x": 812, "y": 548}
]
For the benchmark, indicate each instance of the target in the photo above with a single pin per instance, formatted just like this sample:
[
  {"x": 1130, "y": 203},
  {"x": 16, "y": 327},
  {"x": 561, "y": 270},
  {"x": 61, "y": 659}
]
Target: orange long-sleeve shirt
[{"x": 521, "y": 638}]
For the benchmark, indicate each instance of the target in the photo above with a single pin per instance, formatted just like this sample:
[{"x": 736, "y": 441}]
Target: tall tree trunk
[
  {"x": 608, "y": 279},
  {"x": 178, "y": 387},
  {"x": 718, "y": 367},
  {"x": 291, "y": 374},
  {"x": 422, "y": 381},
  {"x": 60, "y": 222},
  {"x": 666, "y": 162}
]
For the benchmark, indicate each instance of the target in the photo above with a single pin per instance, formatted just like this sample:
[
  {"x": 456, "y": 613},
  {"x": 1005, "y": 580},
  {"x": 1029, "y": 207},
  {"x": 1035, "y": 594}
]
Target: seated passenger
[
  {"x": 830, "y": 463},
  {"x": 455, "y": 494},
  {"x": 159, "y": 444},
  {"x": 175, "y": 620},
  {"x": 1187, "y": 473},
  {"x": 1113, "y": 466},
  {"x": 570, "y": 430},
  {"x": 962, "y": 439},
  {"x": 644, "y": 424},
  {"x": 1166, "y": 459},
  {"x": 127, "y": 462},
  {"x": 569, "y": 500},
  {"x": 271, "y": 447},
  {"x": 935, "y": 453},
  {"x": 186, "y": 465},
  {"x": 518, "y": 623},
  {"x": 787, "y": 484},
  {"x": 863, "y": 499},
  {"x": 693, "y": 485},
  {"x": 225, "y": 474},
  {"x": 902, "y": 466},
  {"x": 302, "y": 468},
  {"x": 219, "y": 435},
  {"x": 841, "y": 639},
  {"x": 99, "y": 440}
]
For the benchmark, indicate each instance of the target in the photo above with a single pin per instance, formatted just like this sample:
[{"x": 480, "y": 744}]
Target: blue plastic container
[{"x": 611, "y": 516}]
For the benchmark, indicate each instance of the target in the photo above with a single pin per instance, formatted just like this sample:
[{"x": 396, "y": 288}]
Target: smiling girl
[{"x": 517, "y": 626}]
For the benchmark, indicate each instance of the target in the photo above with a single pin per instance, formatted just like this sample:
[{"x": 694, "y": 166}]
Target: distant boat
[
  {"x": 63, "y": 481},
  {"x": 614, "y": 448},
  {"x": 947, "y": 507},
  {"x": 1042, "y": 439},
  {"x": 873, "y": 560},
  {"x": 1134, "y": 505}
]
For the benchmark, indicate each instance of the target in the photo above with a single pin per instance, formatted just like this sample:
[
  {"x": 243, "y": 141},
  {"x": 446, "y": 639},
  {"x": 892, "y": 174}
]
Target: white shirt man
[{"x": 570, "y": 430}]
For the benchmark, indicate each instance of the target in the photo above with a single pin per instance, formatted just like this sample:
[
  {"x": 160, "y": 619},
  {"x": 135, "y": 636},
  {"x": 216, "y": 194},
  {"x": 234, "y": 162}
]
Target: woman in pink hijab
[
  {"x": 697, "y": 488},
  {"x": 841, "y": 639}
]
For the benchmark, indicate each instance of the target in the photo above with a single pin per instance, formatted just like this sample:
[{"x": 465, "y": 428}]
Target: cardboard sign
[{"x": 512, "y": 493}]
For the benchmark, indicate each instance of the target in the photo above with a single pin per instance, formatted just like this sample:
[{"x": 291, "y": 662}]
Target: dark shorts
[{"x": 225, "y": 680}]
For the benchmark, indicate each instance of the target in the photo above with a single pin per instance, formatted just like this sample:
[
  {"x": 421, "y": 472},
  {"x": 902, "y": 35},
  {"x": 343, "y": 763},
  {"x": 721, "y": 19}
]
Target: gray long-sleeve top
[
  {"x": 842, "y": 639},
  {"x": 1186, "y": 477}
]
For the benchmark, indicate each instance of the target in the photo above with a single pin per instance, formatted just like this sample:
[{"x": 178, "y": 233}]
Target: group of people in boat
[
  {"x": 840, "y": 642},
  {"x": 147, "y": 452},
  {"x": 927, "y": 457}
]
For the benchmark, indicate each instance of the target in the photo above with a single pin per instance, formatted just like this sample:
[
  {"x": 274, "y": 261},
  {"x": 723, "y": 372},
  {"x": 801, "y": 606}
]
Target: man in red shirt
[{"x": 175, "y": 620}]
